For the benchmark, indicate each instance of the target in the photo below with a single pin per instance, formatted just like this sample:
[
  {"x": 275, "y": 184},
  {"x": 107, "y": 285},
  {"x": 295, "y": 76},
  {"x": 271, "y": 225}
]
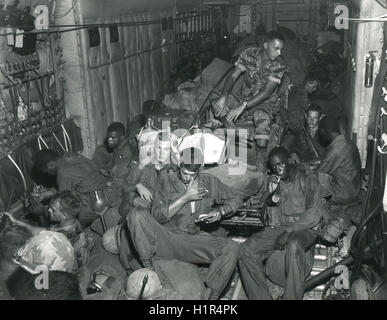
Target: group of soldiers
[{"x": 161, "y": 209}]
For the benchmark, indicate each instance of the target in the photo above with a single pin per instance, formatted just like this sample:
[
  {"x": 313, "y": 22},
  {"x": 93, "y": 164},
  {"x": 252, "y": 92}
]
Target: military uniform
[
  {"x": 302, "y": 147},
  {"x": 115, "y": 161},
  {"x": 298, "y": 103},
  {"x": 124, "y": 154},
  {"x": 300, "y": 210},
  {"x": 102, "y": 158},
  {"x": 156, "y": 236},
  {"x": 258, "y": 69},
  {"x": 80, "y": 176},
  {"x": 342, "y": 162},
  {"x": 147, "y": 176}
]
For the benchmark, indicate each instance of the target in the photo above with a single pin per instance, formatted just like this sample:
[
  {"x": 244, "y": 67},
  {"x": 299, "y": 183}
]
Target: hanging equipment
[
  {"x": 69, "y": 147},
  {"x": 369, "y": 70},
  {"x": 40, "y": 139},
  {"x": 57, "y": 140},
  {"x": 21, "y": 175}
]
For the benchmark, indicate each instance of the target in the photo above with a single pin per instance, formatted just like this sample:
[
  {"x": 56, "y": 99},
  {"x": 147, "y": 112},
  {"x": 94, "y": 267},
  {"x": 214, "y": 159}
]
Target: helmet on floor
[
  {"x": 111, "y": 240},
  {"x": 153, "y": 288},
  {"x": 47, "y": 248}
]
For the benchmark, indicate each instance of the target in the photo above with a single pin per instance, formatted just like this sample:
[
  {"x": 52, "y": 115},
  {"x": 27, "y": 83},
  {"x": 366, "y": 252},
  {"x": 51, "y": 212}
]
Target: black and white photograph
[{"x": 193, "y": 154}]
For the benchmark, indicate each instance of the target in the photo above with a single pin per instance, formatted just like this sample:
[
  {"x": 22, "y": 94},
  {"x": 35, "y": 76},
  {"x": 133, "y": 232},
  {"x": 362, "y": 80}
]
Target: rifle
[
  {"x": 309, "y": 139},
  {"x": 310, "y": 142}
]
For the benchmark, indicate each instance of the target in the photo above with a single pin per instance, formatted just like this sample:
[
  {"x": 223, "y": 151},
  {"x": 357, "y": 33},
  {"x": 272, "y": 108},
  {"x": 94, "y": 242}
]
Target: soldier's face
[
  {"x": 187, "y": 176},
  {"x": 51, "y": 168},
  {"x": 113, "y": 139},
  {"x": 311, "y": 86},
  {"x": 163, "y": 151},
  {"x": 313, "y": 119},
  {"x": 274, "y": 48},
  {"x": 279, "y": 165},
  {"x": 55, "y": 212}
]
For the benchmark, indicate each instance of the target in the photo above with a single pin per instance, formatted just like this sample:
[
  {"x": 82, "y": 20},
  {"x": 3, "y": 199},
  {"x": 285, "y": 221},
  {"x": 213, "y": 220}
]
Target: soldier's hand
[
  {"x": 213, "y": 216},
  {"x": 144, "y": 193},
  {"x": 219, "y": 105},
  {"x": 235, "y": 113},
  {"x": 273, "y": 184},
  {"x": 193, "y": 193}
]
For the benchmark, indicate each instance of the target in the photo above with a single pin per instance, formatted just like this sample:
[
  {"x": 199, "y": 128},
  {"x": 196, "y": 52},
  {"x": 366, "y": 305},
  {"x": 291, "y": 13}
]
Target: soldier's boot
[{"x": 262, "y": 122}]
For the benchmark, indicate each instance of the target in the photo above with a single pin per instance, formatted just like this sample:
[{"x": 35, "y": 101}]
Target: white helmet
[
  {"x": 111, "y": 240},
  {"x": 47, "y": 248},
  {"x": 153, "y": 288}
]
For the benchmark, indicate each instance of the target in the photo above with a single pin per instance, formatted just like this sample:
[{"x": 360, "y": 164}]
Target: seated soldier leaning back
[
  {"x": 140, "y": 184},
  {"x": 307, "y": 147},
  {"x": 140, "y": 188},
  {"x": 262, "y": 70},
  {"x": 117, "y": 150},
  {"x": 299, "y": 208},
  {"x": 79, "y": 175},
  {"x": 171, "y": 229}
]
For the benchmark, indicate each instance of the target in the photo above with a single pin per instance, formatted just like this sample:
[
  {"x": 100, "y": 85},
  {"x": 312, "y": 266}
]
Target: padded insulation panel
[
  {"x": 110, "y": 82},
  {"x": 166, "y": 51},
  {"x": 155, "y": 56},
  {"x": 75, "y": 85}
]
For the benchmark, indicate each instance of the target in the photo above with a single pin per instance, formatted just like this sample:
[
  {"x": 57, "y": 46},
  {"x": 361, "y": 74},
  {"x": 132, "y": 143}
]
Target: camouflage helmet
[
  {"x": 48, "y": 248},
  {"x": 111, "y": 240},
  {"x": 153, "y": 288}
]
